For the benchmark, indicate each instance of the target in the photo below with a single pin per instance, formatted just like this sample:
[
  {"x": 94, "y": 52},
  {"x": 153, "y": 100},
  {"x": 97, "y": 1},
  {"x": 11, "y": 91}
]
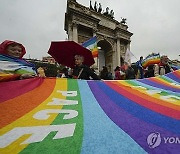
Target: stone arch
[{"x": 82, "y": 23}]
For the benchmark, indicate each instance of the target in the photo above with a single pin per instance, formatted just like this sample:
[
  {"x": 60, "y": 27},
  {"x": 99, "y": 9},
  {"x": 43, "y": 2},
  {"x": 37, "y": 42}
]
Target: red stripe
[{"x": 13, "y": 89}]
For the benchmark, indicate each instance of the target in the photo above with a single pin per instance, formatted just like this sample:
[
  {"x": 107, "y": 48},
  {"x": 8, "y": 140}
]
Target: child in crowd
[
  {"x": 41, "y": 72},
  {"x": 12, "y": 66}
]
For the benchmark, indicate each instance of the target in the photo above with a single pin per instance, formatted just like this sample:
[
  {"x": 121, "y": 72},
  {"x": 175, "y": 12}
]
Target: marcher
[
  {"x": 140, "y": 68},
  {"x": 129, "y": 71},
  {"x": 65, "y": 72},
  {"x": 41, "y": 72},
  {"x": 82, "y": 71},
  {"x": 117, "y": 73},
  {"x": 58, "y": 74},
  {"x": 12, "y": 65},
  {"x": 105, "y": 74},
  {"x": 150, "y": 71},
  {"x": 163, "y": 67}
]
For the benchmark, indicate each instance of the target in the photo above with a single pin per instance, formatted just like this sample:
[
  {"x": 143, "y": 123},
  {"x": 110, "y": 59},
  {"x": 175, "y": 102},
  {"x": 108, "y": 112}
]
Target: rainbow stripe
[
  {"x": 58, "y": 115},
  {"x": 91, "y": 44}
]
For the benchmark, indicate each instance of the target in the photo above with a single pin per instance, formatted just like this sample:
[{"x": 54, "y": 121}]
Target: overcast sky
[{"x": 35, "y": 23}]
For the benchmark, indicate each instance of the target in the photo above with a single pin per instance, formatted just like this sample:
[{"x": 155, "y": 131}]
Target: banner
[
  {"x": 91, "y": 44},
  {"x": 151, "y": 59},
  {"x": 58, "y": 115},
  {"x": 128, "y": 56}
]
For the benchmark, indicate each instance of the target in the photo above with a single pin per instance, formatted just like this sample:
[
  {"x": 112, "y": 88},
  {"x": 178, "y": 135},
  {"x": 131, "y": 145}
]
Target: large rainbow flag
[
  {"x": 91, "y": 44},
  {"x": 69, "y": 116},
  {"x": 153, "y": 58}
]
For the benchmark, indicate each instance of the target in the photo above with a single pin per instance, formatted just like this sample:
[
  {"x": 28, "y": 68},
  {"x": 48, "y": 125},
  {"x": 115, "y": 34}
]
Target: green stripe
[
  {"x": 134, "y": 83},
  {"x": 66, "y": 145}
]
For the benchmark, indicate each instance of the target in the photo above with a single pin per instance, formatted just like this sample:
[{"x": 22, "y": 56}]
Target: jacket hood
[{"x": 4, "y": 45}]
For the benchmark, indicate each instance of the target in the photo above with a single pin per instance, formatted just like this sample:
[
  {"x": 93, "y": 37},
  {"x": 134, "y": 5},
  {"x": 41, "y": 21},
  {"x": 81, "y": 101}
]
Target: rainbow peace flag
[
  {"x": 91, "y": 44},
  {"x": 58, "y": 115},
  {"x": 151, "y": 59},
  {"x": 11, "y": 68}
]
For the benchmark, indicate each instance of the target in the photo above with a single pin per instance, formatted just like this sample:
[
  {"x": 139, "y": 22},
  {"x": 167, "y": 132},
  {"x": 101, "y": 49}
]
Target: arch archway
[{"x": 105, "y": 56}]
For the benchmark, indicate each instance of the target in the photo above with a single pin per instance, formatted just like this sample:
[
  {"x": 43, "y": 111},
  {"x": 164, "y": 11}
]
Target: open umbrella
[{"x": 64, "y": 51}]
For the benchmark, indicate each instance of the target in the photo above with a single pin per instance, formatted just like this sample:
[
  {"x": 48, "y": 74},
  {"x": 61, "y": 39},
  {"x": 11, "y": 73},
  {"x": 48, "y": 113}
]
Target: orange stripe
[
  {"x": 15, "y": 108},
  {"x": 147, "y": 97},
  {"x": 154, "y": 61}
]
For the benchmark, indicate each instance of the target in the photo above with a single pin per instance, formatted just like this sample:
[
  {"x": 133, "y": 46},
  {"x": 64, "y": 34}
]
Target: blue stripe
[
  {"x": 102, "y": 135},
  {"x": 139, "y": 111}
]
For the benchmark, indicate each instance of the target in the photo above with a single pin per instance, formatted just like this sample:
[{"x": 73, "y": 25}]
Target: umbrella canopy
[{"x": 64, "y": 51}]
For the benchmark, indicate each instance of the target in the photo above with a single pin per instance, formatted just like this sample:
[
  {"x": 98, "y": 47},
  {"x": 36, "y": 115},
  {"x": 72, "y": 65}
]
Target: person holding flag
[
  {"x": 12, "y": 65},
  {"x": 81, "y": 71},
  {"x": 140, "y": 67}
]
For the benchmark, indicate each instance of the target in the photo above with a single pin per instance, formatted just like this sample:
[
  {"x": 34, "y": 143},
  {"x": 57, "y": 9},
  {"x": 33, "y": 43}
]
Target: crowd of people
[
  {"x": 124, "y": 72},
  {"x": 13, "y": 66},
  {"x": 153, "y": 70},
  {"x": 128, "y": 71}
]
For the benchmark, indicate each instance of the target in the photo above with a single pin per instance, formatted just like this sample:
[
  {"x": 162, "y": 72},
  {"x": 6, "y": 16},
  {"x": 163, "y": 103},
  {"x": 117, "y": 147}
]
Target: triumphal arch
[{"x": 82, "y": 23}]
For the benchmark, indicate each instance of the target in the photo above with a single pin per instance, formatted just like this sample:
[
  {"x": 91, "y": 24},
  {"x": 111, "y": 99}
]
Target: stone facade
[{"x": 82, "y": 23}]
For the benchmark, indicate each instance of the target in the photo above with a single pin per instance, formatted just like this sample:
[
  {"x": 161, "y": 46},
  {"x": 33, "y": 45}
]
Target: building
[
  {"x": 49, "y": 59},
  {"x": 82, "y": 23}
]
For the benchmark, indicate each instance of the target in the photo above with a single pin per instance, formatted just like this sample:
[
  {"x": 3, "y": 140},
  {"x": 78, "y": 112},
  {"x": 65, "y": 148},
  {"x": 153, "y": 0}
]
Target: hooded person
[
  {"x": 4, "y": 49},
  {"x": 12, "y": 66}
]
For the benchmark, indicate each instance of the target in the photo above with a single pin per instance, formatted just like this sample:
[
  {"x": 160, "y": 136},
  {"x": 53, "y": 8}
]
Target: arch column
[
  {"x": 128, "y": 46},
  {"x": 94, "y": 31},
  {"x": 118, "y": 59},
  {"x": 75, "y": 32},
  {"x": 96, "y": 59},
  {"x": 70, "y": 32}
]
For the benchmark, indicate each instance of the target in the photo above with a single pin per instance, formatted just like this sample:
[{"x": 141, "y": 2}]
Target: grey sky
[{"x": 35, "y": 23}]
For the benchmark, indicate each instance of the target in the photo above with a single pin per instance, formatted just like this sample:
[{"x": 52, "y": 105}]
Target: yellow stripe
[{"x": 28, "y": 120}]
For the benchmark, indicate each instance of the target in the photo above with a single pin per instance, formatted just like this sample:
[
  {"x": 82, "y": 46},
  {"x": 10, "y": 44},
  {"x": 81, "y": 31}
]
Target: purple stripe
[{"x": 136, "y": 128}]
